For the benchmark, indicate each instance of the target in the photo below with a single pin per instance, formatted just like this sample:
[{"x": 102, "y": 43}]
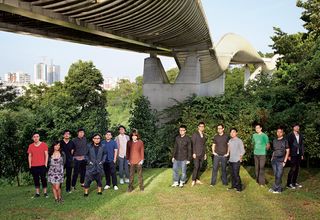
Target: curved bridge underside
[{"x": 169, "y": 28}]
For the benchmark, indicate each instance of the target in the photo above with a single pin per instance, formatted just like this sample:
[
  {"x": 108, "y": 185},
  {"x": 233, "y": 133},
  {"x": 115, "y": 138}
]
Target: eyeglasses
[{"x": 97, "y": 138}]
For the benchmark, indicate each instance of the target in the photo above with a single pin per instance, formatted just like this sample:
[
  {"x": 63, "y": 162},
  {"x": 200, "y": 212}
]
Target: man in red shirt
[{"x": 38, "y": 161}]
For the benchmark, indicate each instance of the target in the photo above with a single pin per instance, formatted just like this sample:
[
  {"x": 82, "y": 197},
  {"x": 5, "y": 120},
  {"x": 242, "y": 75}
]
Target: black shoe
[
  {"x": 99, "y": 193},
  {"x": 231, "y": 188},
  {"x": 61, "y": 200},
  {"x": 238, "y": 191},
  {"x": 46, "y": 195},
  {"x": 36, "y": 195},
  {"x": 86, "y": 195}
]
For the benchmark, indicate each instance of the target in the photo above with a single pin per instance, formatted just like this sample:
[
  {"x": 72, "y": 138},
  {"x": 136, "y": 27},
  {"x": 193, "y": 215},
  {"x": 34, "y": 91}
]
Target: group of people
[
  {"x": 99, "y": 157},
  {"x": 91, "y": 161},
  {"x": 231, "y": 149}
]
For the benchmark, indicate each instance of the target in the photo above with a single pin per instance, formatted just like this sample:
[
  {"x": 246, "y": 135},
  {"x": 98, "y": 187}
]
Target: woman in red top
[
  {"x": 38, "y": 161},
  {"x": 135, "y": 157}
]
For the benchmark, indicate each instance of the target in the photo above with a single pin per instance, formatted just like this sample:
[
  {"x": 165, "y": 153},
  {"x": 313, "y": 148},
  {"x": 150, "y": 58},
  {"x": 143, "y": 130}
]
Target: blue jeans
[
  {"x": 223, "y": 160},
  {"x": 277, "y": 166},
  {"x": 123, "y": 165},
  {"x": 177, "y": 165}
]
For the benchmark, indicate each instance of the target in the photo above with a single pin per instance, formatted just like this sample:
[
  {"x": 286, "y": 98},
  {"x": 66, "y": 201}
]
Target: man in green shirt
[{"x": 261, "y": 145}]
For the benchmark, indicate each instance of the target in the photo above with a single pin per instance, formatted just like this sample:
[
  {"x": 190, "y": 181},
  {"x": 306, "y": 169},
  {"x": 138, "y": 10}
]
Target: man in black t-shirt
[
  {"x": 67, "y": 147},
  {"x": 220, "y": 150}
]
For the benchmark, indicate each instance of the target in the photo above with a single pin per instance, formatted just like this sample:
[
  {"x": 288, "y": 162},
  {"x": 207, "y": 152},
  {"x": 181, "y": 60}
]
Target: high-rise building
[
  {"x": 17, "y": 77},
  {"x": 53, "y": 73},
  {"x": 40, "y": 73}
]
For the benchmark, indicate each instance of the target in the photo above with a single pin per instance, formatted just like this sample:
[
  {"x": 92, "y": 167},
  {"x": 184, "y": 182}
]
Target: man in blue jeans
[
  {"x": 181, "y": 157},
  {"x": 110, "y": 146},
  {"x": 280, "y": 154},
  {"x": 122, "y": 140},
  {"x": 220, "y": 150}
]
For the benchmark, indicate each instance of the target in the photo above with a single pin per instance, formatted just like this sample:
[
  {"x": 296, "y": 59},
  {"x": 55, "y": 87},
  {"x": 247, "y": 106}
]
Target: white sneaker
[
  {"x": 121, "y": 181},
  {"x": 298, "y": 185},
  {"x": 126, "y": 180},
  {"x": 181, "y": 184},
  {"x": 115, "y": 188},
  {"x": 175, "y": 184},
  {"x": 107, "y": 187}
]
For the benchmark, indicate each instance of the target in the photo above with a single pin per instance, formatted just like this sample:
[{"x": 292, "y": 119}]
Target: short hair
[
  {"x": 295, "y": 124},
  {"x": 121, "y": 126},
  {"x": 36, "y": 132},
  {"x": 96, "y": 134},
  {"x": 201, "y": 123},
  {"x": 258, "y": 124},
  {"x": 80, "y": 129},
  {"x": 108, "y": 131},
  {"x": 183, "y": 126},
  {"x": 65, "y": 131},
  {"x": 220, "y": 125},
  {"x": 135, "y": 133},
  {"x": 280, "y": 127},
  {"x": 234, "y": 129}
]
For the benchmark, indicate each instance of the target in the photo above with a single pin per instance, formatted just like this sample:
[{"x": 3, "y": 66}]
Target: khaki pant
[{"x": 133, "y": 168}]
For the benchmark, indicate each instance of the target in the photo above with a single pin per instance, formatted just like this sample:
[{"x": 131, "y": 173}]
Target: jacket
[
  {"x": 95, "y": 163},
  {"x": 294, "y": 145},
  {"x": 182, "y": 148},
  {"x": 198, "y": 144}
]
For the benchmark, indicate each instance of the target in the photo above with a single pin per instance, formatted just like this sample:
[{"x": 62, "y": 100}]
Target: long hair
[{"x": 51, "y": 150}]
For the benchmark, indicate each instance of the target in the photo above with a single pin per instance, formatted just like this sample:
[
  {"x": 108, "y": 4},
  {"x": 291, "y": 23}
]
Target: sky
[{"x": 254, "y": 20}]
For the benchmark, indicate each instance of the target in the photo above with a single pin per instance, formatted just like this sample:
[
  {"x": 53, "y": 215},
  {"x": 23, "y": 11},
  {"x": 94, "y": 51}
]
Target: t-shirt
[
  {"x": 236, "y": 149},
  {"x": 38, "y": 154},
  {"x": 221, "y": 142},
  {"x": 67, "y": 148},
  {"x": 260, "y": 142},
  {"x": 123, "y": 139},
  {"x": 279, "y": 147},
  {"x": 109, "y": 147}
]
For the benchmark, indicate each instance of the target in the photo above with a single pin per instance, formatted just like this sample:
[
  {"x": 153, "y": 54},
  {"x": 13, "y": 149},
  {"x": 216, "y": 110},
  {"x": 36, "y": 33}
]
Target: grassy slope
[{"x": 160, "y": 201}]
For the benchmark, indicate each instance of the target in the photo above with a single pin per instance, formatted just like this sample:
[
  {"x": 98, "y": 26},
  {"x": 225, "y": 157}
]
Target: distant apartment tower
[
  {"x": 44, "y": 73},
  {"x": 40, "y": 73},
  {"x": 17, "y": 77},
  {"x": 109, "y": 83},
  {"x": 53, "y": 74}
]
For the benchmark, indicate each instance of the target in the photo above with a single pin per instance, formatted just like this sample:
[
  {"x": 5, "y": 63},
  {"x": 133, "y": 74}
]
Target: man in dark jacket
[
  {"x": 94, "y": 158},
  {"x": 199, "y": 152},
  {"x": 181, "y": 157},
  {"x": 295, "y": 141}
]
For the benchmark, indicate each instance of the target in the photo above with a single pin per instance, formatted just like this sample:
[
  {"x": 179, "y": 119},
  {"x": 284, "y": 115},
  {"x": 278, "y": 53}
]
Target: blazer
[
  {"x": 294, "y": 145},
  {"x": 95, "y": 162},
  {"x": 198, "y": 144}
]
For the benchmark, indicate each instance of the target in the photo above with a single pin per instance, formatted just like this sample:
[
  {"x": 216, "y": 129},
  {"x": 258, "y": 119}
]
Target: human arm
[
  {"x": 115, "y": 155},
  {"x": 29, "y": 159},
  {"x": 142, "y": 153},
  {"x": 228, "y": 151},
  {"x": 46, "y": 157}
]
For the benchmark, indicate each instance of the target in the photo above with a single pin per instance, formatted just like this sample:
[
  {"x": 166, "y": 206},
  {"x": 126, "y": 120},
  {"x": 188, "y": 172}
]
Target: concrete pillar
[
  {"x": 190, "y": 71},
  {"x": 153, "y": 71},
  {"x": 246, "y": 74}
]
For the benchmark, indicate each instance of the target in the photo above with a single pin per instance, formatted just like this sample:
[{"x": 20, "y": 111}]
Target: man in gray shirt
[{"x": 236, "y": 150}]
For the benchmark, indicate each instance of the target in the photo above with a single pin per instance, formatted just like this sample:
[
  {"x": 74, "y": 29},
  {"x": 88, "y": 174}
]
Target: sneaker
[
  {"x": 297, "y": 185},
  {"x": 115, "y": 188},
  {"x": 82, "y": 184},
  {"x": 107, "y": 187},
  {"x": 273, "y": 191},
  {"x": 291, "y": 187},
  {"x": 175, "y": 184},
  {"x": 35, "y": 196},
  {"x": 238, "y": 191},
  {"x": 181, "y": 184},
  {"x": 231, "y": 188},
  {"x": 126, "y": 180},
  {"x": 121, "y": 181},
  {"x": 46, "y": 195}
]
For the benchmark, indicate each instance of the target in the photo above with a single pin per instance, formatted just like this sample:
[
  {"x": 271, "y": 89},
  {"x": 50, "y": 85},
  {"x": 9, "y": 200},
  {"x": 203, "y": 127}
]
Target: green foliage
[
  {"x": 7, "y": 95},
  {"x": 311, "y": 16},
  {"x": 172, "y": 74}
]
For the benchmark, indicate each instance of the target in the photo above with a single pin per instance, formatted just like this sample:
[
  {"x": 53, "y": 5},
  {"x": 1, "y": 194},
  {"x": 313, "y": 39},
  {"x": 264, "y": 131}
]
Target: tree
[{"x": 7, "y": 95}]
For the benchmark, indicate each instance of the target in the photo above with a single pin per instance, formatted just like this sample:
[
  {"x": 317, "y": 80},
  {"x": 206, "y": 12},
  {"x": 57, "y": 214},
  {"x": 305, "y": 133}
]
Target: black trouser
[
  {"x": 68, "y": 176},
  {"x": 110, "y": 170},
  {"x": 235, "y": 176},
  {"x": 196, "y": 169},
  {"x": 294, "y": 170},
  {"x": 223, "y": 161},
  {"x": 39, "y": 172},
  {"x": 91, "y": 177},
  {"x": 79, "y": 167}
]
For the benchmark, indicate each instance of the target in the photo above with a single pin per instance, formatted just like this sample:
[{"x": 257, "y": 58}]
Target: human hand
[
  {"x": 187, "y": 162},
  {"x": 302, "y": 158},
  {"x": 128, "y": 162},
  {"x": 205, "y": 156},
  {"x": 289, "y": 158},
  {"x": 90, "y": 163},
  {"x": 141, "y": 162},
  {"x": 172, "y": 159},
  {"x": 215, "y": 154},
  {"x": 194, "y": 156},
  {"x": 226, "y": 155}
]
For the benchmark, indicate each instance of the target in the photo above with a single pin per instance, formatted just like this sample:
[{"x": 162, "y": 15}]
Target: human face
[
  {"x": 122, "y": 131},
  {"x": 96, "y": 139},
  {"x": 80, "y": 134},
  {"x": 134, "y": 137},
  {"x": 279, "y": 133},
  {"x": 296, "y": 128},
  {"x": 182, "y": 132},
  {"x": 108, "y": 136},
  {"x": 220, "y": 129},
  {"x": 201, "y": 127},
  {"x": 36, "y": 138},
  {"x": 233, "y": 133},
  {"x": 66, "y": 135},
  {"x": 258, "y": 129},
  {"x": 56, "y": 147}
]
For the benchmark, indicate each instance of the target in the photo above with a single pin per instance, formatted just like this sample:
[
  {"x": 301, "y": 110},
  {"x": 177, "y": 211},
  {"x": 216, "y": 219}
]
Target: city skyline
[{"x": 251, "y": 19}]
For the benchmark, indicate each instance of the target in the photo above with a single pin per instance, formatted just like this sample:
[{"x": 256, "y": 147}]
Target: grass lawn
[{"x": 160, "y": 201}]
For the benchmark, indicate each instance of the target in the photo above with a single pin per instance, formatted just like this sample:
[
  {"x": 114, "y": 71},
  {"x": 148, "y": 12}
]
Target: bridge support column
[{"x": 163, "y": 94}]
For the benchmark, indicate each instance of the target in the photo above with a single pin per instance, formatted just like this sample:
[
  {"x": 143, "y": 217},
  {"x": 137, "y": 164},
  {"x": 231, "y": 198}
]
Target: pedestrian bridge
[{"x": 176, "y": 29}]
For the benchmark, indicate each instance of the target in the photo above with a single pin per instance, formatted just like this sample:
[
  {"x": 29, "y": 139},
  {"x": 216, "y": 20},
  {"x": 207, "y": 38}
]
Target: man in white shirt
[{"x": 122, "y": 140}]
